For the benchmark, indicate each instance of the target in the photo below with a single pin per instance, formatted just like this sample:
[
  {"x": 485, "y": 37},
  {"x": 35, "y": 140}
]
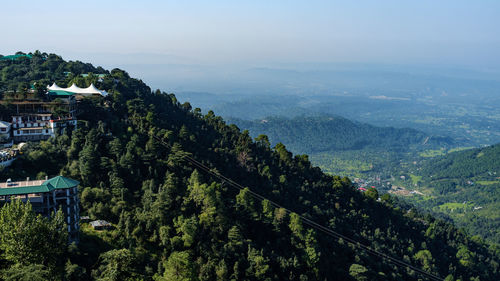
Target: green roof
[
  {"x": 14, "y": 57},
  {"x": 59, "y": 93},
  {"x": 61, "y": 182},
  {"x": 58, "y": 182},
  {"x": 26, "y": 189}
]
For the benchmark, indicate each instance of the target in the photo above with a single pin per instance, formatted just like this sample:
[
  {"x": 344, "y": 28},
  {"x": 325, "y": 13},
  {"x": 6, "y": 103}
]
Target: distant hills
[
  {"x": 462, "y": 165},
  {"x": 341, "y": 146},
  {"x": 327, "y": 133}
]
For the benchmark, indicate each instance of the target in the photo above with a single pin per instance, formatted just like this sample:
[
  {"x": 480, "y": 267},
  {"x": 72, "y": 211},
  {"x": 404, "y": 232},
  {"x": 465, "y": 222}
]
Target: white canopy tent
[
  {"x": 54, "y": 87},
  {"x": 91, "y": 90}
]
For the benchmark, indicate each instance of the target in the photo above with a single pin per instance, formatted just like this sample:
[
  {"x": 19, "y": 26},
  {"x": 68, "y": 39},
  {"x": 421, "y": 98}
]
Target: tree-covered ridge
[
  {"x": 328, "y": 133},
  {"x": 44, "y": 69},
  {"x": 474, "y": 163},
  {"x": 345, "y": 147},
  {"x": 174, "y": 222},
  {"x": 465, "y": 186}
]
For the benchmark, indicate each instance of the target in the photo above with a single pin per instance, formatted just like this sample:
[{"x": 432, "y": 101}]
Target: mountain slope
[
  {"x": 475, "y": 163},
  {"x": 326, "y": 133},
  {"x": 465, "y": 186},
  {"x": 342, "y": 146},
  {"x": 174, "y": 221}
]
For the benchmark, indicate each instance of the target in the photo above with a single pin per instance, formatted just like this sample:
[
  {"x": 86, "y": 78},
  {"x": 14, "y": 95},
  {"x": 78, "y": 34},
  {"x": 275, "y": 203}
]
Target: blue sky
[{"x": 448, "y": 32}]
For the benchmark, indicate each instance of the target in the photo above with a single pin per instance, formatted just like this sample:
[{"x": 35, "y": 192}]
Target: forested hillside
[
  {"x": 465, "y": 186},
  {"x": 339, "y": 145},
  {"x": 474, "y": 163},
  {"x": 330, "y": 133},
  {"x": 173, "y": 221}
]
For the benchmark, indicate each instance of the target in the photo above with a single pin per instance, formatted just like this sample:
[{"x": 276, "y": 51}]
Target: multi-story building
[
  {"x": 7, "y": 156},
  {"x": 46, "y": 197},
  {"x": 37, "y": 119},
  {"x": 53, "y": 103},
  {"x": 33, "y": 127},
  {"x": 5, "y": 138}
]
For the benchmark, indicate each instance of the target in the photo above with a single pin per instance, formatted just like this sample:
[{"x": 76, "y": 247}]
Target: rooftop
[
  {"x": 100, "y": 223},
  {"x": 4, "y": 124},
  {"x": 14, "y": 57},
  {"x": 36, "y": 186},
  {"x": 32, "y": 114},
  {"x": 62, "y": 182},
  {"x": 59, "y": 93},
  {"x": 21, "y": 183},
  {"x": 32, "y": 128},
  {"x": 74, "y": 89}
]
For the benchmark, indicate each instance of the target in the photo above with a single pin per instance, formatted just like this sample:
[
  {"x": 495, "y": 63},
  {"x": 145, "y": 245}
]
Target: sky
[{"x": 219, "y": 32}]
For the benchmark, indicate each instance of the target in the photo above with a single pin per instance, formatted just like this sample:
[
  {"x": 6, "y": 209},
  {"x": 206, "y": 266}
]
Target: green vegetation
[
  {"x": 487, "y": 182},
  {"x": 465, "y": 187},
  {"x": 339, "y": 146},
  {"x": 343, "y": 147},
  {"x": 432, "y": 153},
  {"x": 174, "y": 222},
  {"x": 415, "y": 179},
  {"x": 30, "y": 243},
  {"x": 465, "y": 164},
  {"x": 334, "y": 164},
  {"x": 328, "y": 133}
]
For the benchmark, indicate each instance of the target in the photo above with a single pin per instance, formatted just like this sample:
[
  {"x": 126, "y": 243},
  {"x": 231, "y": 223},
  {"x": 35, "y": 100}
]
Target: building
[
  {"x": 47, "y": 196},
  {"x": 4, "y": 129},
  {"x": 7, "y": 156},
  {"x": 5, "y": 137},
  {"x": 100, "y": 225},
  {"x": 53, "y": 103},
  {"x": 37, "y": 119},
  {"x": 34, "y": 127}
]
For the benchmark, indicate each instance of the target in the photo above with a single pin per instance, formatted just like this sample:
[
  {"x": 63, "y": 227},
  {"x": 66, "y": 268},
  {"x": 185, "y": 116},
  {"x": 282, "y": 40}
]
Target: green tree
[
  {"x": 116, "y": 265},
  {"x": 372, "y": 193},
  {"x": 89, "y": 159},
  {"x": 296, "y": 225},
  {"x": 27, "y": 239},
  {"x": 179, "y": 267},
  {"x": 358, "y": 272},
  {"x": 425, "y": 258},
  {"x": 466, "y": 257},
  {"x": 32, "y": 272}
]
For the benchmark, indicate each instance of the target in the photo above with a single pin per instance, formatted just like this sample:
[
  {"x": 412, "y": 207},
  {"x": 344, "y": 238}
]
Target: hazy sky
[{"x": 458, "y": 32}]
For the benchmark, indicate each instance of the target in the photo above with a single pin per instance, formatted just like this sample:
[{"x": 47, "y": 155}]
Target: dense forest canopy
[
  {"x": 465, "y": 186},
  {"x": 329, "y": 133},
  {"x": 344, "y": 147},
  {"x": 172, "y": 221},
  {"x": 481, "y": 162}
]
